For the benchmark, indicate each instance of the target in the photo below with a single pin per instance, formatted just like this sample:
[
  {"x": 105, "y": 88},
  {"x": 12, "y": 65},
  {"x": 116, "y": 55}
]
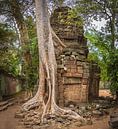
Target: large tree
[
  {"x": 8, "y": 53},
  {"x": 107, "y": 37},
  {"x": 48, "y": 66},
  {"x": 15, "y": 11},
  {"x": 24, "y": 38},
  {"x": 98, "y": 10}
]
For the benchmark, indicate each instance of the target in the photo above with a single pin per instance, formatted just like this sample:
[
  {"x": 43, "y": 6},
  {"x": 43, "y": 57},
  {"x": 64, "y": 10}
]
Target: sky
[{"x": 99, "y": 24}]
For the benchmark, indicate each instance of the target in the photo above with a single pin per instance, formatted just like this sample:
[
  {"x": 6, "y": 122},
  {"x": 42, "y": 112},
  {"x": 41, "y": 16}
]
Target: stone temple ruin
[{"x": 78, "y": 79}]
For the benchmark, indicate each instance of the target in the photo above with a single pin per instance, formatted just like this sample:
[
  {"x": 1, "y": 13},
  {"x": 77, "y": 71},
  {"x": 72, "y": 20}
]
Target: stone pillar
[{"x": 94, "y": 80}]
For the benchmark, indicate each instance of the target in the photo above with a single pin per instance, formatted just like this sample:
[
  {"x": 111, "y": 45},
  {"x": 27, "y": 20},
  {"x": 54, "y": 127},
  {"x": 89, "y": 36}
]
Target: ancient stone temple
[{"x": 78, "y": 79}]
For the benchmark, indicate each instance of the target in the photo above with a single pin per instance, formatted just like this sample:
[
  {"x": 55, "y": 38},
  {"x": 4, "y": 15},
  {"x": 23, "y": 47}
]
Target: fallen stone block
[
  {"x": 3, "y": 103},
  {"x": 113, "y": 122},
  {"x": 3, "y": 107}
]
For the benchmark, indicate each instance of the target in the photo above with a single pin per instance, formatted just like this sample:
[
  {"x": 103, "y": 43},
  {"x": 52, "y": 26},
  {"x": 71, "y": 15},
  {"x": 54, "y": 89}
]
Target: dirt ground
[
  {"x": 7, "y": 120},
  {"x": 104, "y": 93},
  {"x": 99, "y": 124}
]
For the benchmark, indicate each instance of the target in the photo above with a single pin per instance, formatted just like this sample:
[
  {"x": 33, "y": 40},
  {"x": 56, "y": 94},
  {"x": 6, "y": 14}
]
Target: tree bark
[{"x": 112, "y": 26}]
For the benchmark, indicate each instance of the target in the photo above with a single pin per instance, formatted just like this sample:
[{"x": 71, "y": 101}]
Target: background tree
[
  {"x": 8, "y": 52},
  {"x": 98, "y": 52},
  {"x": 21, "y": 12},
  {"x": 99, "y": 10}
]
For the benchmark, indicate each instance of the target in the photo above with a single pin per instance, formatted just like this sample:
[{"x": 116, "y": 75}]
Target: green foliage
[
  {"x": 113, "y": 70},
  {"x": 97, "y": 10},
  {"x": 33, "y": 70},
  {"x": 107, "y": 58},
  {"x": 7, "y": 35},
  {"x": 98, "y": 51},
  {"x": 75, "y": 18},
  {"x": 13, "y": 60},
  {"x": 102, "y": 43},
  {"x": 10, "y": 62},
  {"x": 8, "y": 52}
]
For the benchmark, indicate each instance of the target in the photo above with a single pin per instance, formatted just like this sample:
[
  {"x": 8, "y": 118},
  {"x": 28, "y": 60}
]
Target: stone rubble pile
[
  {"x": 32, "y": 120},
  {"x": 113, "y": 122},
  {"x": 95, "y": 110}
]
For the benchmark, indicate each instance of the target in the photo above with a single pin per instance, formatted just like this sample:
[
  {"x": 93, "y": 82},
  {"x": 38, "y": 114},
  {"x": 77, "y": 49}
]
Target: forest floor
[{"x": 8, "y": 121}]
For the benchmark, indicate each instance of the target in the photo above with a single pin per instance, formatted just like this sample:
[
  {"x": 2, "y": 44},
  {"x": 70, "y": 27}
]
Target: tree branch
[{"x": 57, "y": 39}]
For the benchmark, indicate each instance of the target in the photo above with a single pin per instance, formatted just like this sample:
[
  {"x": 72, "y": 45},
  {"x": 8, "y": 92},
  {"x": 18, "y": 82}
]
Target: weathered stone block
[
  {"x": 73, "y": 70},
  {"x": 85, "y": 81},
  {"x": 80, "y": 69},
  {"x": 72, "y": 80},
  {"x": 85, "y": 75},
  {"x": 76, "y": 75},
  {"x": 67, "y": 74},
  {"x": 79, "y": 63},
  {"x": 61, "y": 90}
]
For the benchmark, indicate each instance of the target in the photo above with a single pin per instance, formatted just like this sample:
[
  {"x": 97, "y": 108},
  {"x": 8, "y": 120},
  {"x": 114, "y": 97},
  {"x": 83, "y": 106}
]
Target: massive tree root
[{"x": 45, "y": 96}]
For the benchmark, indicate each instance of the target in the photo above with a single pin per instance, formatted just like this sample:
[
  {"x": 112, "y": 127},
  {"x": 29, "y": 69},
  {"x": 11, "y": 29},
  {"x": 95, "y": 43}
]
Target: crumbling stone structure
[
  {"x": 78, "y": 79},
  {"x": 9, "y": 84}
]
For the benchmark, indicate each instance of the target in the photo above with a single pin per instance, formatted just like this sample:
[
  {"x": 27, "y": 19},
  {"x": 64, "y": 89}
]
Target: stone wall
[
  {"x": 73, "y": 81},
  {"x": 9, "y": 85},
  {"x": 94, "y": 80},
  {"x": 77, "y": 79}
]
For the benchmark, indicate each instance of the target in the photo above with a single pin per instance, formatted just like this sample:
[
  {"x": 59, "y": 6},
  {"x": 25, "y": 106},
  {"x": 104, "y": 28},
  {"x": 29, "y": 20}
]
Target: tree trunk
[
  {"x": 45, "y": 96},
  {"x": 117, "y": 96},
  {"x": 112, "y": 26}
]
